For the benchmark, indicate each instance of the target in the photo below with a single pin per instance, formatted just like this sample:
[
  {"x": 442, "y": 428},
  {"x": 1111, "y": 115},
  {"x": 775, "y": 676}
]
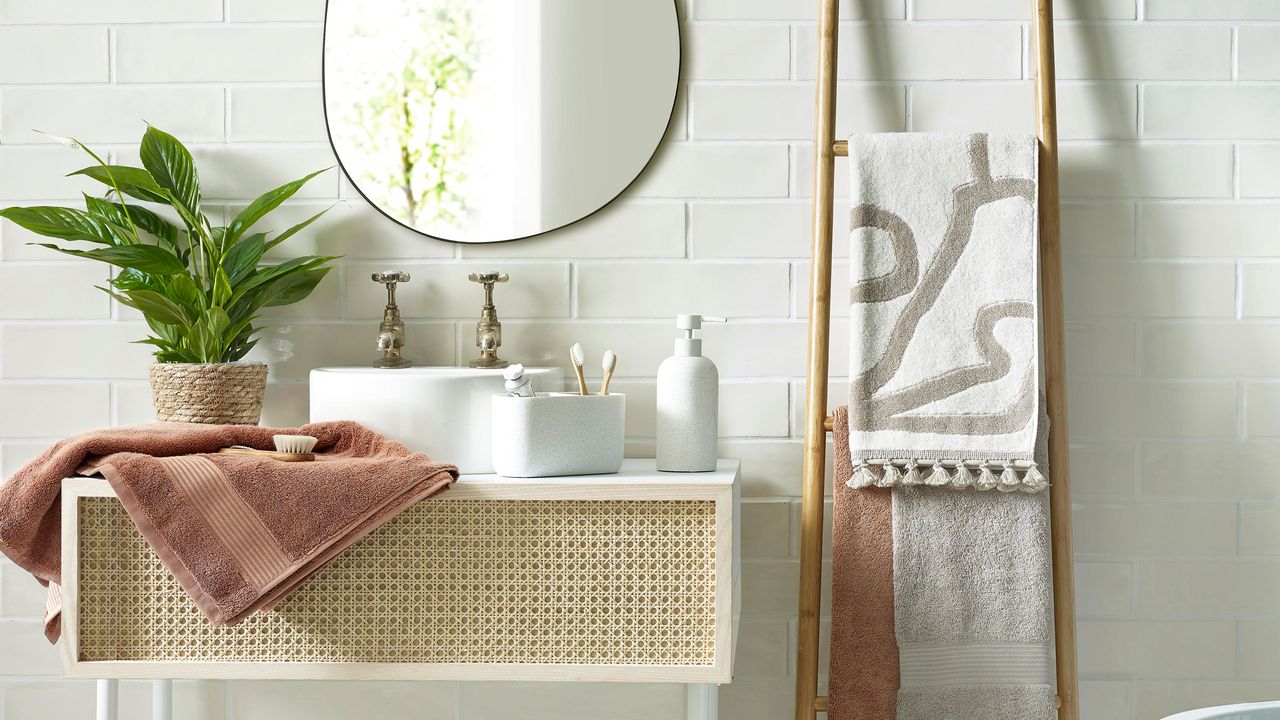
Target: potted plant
[{"x": 200, "y": 287}]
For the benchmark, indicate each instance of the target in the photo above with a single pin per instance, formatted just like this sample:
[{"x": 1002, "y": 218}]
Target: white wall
[{"x": 1170, "y": 116}]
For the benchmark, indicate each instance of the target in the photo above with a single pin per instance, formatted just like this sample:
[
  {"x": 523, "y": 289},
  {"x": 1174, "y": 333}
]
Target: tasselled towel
[
  {"x": 238, "y": 532},
  {"x": 944, "y": 329}
]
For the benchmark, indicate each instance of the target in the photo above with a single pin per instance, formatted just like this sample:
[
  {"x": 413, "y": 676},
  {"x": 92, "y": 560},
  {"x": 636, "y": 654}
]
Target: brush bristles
[
  {"x": 576, "y": 354},
  {"x": 610, "y": 361},
  {"x": 294, "y": 444}
]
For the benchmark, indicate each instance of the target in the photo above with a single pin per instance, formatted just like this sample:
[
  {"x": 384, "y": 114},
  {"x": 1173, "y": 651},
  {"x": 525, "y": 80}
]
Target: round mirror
[{"x": 488, "y": 120}]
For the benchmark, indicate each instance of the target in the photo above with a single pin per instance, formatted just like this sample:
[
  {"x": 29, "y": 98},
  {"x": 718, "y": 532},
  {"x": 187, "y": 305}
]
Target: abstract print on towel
[{"x": 944, "y": 341}]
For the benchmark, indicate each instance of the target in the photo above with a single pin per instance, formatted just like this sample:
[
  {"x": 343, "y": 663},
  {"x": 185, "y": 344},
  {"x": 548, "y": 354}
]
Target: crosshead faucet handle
[
  {"x": 391, "y": 277},
  {"x": 488, "y": 278}
]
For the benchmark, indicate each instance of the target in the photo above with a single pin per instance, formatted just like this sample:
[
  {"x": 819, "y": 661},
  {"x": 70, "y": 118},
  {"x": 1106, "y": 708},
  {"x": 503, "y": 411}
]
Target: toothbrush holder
[{"x": 557, "y": 434}]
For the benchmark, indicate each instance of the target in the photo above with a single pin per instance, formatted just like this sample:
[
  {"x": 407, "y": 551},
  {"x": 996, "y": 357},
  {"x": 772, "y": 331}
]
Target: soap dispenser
[{"x": 688, "y": 403}]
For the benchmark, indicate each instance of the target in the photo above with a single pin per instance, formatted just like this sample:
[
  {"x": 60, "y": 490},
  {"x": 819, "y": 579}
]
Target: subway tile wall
[{"x": 1170, "y": 117}]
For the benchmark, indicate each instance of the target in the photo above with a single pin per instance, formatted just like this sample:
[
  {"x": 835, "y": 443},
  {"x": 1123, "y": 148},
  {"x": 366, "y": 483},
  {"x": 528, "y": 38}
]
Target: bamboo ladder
[{"x": 817, "y": 423}]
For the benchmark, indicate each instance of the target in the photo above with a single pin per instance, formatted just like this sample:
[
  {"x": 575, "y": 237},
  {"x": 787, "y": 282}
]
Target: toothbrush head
[
  {"x": 610, "y": 361},
  {"x": 576, "y": 355},
  {"x": 514, "y": 371}
]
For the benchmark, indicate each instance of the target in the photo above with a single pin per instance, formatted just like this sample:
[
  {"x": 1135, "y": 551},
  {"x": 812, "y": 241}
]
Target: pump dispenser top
[{"x": 689, "y": 345}]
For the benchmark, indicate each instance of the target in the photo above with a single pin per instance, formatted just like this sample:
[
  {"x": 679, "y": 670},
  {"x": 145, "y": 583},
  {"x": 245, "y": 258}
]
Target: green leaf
[
  {"x": 275, "y": 272},
  {"x": 295, "y": 287},
  {"x": 183, "y": 291},
  {"x": 297, "y": 228},
  {"x": 221, "y": 287},
  {"x": 244, "y": 257},
  {"x": 157, "y": 226},
  {"x": 133, "y": 181},
  {"x": 266, "y": 203},
  {"x": 153, "y": 305},
  {"x": 238, "y": 351},
  {"x": 144, "y": 258},
  {"x": 172, "y": 166},
  {"x": 67, "y": 224}
]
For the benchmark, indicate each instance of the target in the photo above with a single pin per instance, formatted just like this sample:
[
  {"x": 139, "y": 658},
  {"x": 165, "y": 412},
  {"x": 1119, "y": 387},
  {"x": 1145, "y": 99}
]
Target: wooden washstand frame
[{"x": 816, "y": 422}]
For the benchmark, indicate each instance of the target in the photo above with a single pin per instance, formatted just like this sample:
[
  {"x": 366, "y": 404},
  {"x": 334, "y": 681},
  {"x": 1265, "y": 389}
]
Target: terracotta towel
[
  {"x": 238, "y": 532},
  {"x": 864, "y": 675}
]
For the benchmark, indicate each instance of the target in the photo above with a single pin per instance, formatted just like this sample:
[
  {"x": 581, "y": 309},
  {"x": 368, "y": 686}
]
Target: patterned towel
[{"x": 944, "y": 357}]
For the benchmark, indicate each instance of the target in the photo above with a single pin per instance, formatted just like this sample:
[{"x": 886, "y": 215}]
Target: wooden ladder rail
[{"x": 817, "y": 423}]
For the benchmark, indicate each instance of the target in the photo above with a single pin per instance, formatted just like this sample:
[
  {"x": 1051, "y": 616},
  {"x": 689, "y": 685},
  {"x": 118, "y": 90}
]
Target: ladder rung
[
  {"x": 829, "y": 423},
  {"x": 820, "y": 703},
  {"x": 841, "y": 148}
]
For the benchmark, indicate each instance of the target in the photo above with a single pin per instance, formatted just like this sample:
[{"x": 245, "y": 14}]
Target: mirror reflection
[{"x": 490, "y": 120}]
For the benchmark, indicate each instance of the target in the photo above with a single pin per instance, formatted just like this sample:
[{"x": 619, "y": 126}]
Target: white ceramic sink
[{"x": 442, "y": 411}]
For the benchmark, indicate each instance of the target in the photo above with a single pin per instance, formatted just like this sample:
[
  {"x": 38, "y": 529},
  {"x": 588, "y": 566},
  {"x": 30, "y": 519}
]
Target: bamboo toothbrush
[
  {"x": 576, "y": 356},
  {"x": 610, "y": 362}
]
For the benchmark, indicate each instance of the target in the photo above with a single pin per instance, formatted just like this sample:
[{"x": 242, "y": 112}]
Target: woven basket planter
[{"x": 217, "y": 393}]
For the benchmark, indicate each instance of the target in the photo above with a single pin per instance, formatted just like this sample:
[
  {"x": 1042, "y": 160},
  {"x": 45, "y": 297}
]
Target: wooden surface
[
  {"x": 638, "y": 480},
  {"x": 1055, "y": 365},
  {"x": 815, "y": 437}
]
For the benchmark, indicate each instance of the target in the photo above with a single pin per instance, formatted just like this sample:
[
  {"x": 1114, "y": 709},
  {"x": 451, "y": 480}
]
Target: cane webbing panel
[{"x": 448, "y": 581}]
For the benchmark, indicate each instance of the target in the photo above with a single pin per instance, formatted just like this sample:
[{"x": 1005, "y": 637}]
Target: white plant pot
[{"x": 558, "y": 434}]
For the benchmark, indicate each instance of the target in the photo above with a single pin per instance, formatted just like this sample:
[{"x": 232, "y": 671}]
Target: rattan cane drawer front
[{"x": 537, "y": 582}]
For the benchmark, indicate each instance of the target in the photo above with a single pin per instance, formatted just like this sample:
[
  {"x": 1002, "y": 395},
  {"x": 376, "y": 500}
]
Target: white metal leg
[
  {"x": 161, "y": 700},
  {"x": 701, "y": 702},
  {"x": 108, "y": 699}
]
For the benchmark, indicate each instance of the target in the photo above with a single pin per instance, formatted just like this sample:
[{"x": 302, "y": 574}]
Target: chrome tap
[
  {"x": 391, "y": 335},
  {"x": 488, "y": 330}
]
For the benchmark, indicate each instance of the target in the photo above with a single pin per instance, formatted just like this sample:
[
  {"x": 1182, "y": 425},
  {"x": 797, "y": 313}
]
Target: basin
[{"x": 442, "y": 411}]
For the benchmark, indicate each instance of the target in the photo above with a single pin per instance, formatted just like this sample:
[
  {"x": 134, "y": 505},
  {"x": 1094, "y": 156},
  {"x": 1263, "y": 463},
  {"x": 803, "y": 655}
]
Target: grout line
[{"x": 1235, "y": 53}]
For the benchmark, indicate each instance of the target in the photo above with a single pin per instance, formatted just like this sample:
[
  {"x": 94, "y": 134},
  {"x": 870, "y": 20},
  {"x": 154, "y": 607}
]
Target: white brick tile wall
[
  {"x": 739, "y": 52},
  {"x": 320, "y": 700},
  {"x": 1143, "y": 52},
  {"x": 13, "y": 12},
  {"x": 53, "y": 55},
  {"x": 1171, "y": 172},
  {"x": 1105, "y": 288},
  {"x": 1148, "y": 170},
  {"x": 1018, "y": 10},
  {"x": 53, "y": 291},
  {"x": 1156, "y": 649},
  {"x": 276, "y": 114},
  {"x": 769, "y": 111},
  {"x": 970, "y": 107},
  {"x": 756, "y": 289},
  {"x": 195, "y": 113},
  {"x": 919, "y": 52},
  {"x": 1180, "y": 112},
  {"x": 1239, "y": 588},
  {"x": 275, "y": 10},
  {"x": 1260, "y": 171},
  {"x": 200, "y": 54},
  {"x": 789, "y": 10},
  {"x": 1209, "y": 229},
  {"x": 1259, "y": 56},
  {"x": 1212, "y": 10},
  {"x": 1098, "y": 229}
]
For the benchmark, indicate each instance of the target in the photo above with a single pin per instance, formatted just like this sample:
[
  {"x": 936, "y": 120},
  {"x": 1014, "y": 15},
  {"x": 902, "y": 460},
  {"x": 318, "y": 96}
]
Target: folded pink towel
[{"x": 238, "y": 532}]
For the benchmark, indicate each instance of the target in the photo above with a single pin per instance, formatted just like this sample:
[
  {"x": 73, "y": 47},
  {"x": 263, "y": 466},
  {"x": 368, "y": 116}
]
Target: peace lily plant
[{"x": 200, "y": 287}]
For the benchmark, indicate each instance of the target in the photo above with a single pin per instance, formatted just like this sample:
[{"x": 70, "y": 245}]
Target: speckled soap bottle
[{"x": 688, "y": 403}]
